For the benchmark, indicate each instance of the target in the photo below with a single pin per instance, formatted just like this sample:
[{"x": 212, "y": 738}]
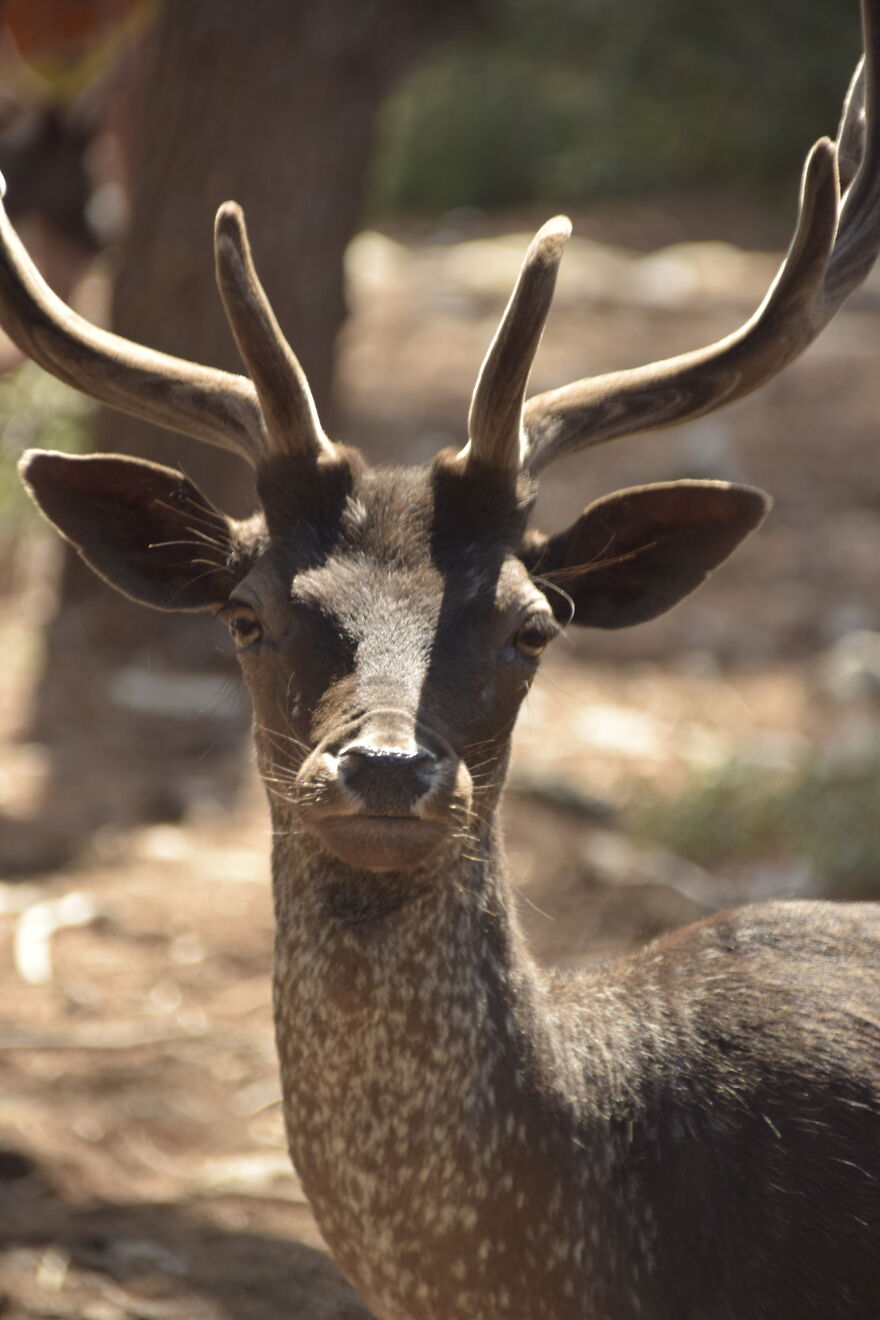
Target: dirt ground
[{"x": 143, "y": 1173}]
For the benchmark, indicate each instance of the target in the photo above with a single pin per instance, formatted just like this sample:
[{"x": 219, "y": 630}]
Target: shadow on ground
[{"x": 125, "y": 1260}]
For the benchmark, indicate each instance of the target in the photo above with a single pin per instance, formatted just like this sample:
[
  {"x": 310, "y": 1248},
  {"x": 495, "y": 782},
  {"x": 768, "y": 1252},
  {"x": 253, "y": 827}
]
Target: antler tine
[
  {"x": 859, "y": 149},
  {"x": 495, "y": 418},
  {"x": 851, "y": 132},
  {"x": 292, "y": 425},
  {"x": 834, "y": 246},
  {"x": 208, "y": 404}
]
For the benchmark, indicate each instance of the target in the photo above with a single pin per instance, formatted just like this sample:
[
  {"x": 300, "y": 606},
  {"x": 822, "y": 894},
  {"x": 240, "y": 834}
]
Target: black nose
[{"x": 388, "y": 780}]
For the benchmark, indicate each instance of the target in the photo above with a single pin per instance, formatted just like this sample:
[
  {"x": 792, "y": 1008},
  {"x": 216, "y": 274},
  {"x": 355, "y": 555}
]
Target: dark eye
[
  {"x": 244, "y": 626},
  {"x": 533, "y": 637}
]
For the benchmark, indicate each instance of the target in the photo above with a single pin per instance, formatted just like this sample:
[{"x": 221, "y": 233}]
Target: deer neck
[
  {"x": 421, "y": 1071},
  {"x": 363, "y": 949}
]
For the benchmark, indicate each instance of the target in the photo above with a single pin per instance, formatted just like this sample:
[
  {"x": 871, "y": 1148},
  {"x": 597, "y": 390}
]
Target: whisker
[
  {"x": 159, "y": 545},
  {"x": 214, "y": 568},
  {"x": 213, "y": 521},
  {"x": 277, "y": 740},
  {"x": 594, "y": 565},
  {"x": 552, "y": 586}
]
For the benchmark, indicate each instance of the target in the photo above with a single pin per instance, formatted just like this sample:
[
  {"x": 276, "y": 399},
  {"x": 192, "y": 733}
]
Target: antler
[
  {"x": 495, "y": 419},
  {"x": 835, "y": 244},
  {"x": 288, "y": 408},
  {"x": 215, "y": 406}
]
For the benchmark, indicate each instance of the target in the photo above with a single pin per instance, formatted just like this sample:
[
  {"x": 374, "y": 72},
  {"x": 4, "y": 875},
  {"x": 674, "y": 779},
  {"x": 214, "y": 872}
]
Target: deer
[{"x": 690, "y": 1132}]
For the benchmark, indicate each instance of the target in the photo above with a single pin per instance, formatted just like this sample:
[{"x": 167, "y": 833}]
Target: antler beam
[{"x": 834, "y": 247}]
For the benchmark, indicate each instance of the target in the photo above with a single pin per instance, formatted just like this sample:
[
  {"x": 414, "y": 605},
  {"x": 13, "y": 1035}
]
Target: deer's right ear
[{"x": 145, "y": 529}]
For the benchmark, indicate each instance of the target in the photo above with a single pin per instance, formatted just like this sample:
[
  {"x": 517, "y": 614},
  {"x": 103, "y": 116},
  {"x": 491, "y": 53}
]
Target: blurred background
[{"x": 393, "y": 158}]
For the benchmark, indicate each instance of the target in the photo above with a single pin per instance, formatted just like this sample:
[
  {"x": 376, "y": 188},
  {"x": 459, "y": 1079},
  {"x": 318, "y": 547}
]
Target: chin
[{"x": 380, "y": 843}]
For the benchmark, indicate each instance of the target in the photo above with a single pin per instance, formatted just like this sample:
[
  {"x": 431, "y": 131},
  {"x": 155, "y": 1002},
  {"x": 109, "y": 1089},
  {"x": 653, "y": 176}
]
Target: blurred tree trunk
[{"x": 271, "y": 103}]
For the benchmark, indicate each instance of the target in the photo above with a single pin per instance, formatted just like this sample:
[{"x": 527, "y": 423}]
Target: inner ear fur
[
  {"x": 145, "y": 529},
  {"x": 634, "y": 554}
]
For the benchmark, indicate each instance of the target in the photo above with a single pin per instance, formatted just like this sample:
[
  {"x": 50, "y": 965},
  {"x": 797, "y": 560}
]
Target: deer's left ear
[
  {"x": 635, "y": 554},
  {"x": 145, "y": 529}
]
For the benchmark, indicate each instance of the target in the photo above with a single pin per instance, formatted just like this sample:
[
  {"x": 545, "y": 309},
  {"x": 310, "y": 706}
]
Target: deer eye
[
  {"x": 534, "y": 635},
  {"x": 243, "y": 624}
]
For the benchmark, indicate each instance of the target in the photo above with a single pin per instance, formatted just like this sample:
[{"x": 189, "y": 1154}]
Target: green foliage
[
  {"x": 566, "y": 99},
  {"x": 824, "y": 815},
  {"x": 35, "y": 410}
]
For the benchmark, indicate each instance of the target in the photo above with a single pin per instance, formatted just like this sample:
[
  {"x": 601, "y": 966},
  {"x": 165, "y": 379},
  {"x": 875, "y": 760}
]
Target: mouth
[{"x": 379, "y": 843}]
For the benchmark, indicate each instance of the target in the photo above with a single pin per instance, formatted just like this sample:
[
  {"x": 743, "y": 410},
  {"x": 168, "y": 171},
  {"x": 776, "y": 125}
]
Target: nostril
[{"x": 387, "y": 779}]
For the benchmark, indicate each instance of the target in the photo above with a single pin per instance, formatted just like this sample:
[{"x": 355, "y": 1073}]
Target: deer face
[{"x": 388, "y": 622}]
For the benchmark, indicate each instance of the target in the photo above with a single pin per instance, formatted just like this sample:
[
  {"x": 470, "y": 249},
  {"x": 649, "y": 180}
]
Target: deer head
[{"x": 389, "y": 622}]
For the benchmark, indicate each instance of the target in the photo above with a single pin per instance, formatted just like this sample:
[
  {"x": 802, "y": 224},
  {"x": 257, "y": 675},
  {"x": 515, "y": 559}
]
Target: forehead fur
[
  {"x": 404, "y": 517},
  {"x": 388, "y": 517}
]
